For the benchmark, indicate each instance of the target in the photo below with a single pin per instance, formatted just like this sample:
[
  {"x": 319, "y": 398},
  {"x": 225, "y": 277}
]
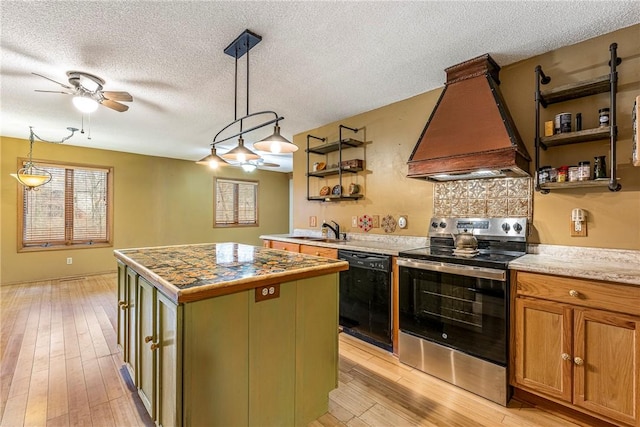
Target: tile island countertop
[{"x": 188, "y": 273}]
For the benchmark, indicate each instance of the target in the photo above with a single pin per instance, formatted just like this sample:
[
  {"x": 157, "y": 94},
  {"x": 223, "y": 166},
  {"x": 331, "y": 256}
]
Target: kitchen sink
[{"x": 317, "y": 239}]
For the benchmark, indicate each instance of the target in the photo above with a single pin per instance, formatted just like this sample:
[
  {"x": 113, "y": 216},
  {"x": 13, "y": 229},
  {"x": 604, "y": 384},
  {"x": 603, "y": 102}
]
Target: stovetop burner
[{"x": 500, "y": 240}]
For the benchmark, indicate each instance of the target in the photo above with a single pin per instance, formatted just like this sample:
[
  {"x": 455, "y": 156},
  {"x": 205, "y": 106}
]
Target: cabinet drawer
[
  {"x": 583, "y": 292},
  {"x": 291, "y": 247},
  {"x": 319, "y": 251}
]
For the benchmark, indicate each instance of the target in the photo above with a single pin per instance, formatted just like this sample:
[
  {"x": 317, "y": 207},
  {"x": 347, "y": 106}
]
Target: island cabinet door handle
[
  {"x": 578, "y": 361},
  {"x": 154, "y": 346},
  {"x": 565, "y": 356},
  {"x": 123, "y": 304},
  {"x": 574, "y": 293},
  {"x": 148, "y": 339}
]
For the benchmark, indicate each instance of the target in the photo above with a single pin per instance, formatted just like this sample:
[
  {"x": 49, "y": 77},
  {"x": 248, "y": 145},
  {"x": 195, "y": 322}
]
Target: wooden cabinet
[
  {"x": 130, "y": 306},
  {"x": 577, "y": 343},
  {"x": 319, "y": 251},
  {"x": 305, "y": 249},
  {"x": 602, "y": 84},
  {"x": 122, "y": 310}
]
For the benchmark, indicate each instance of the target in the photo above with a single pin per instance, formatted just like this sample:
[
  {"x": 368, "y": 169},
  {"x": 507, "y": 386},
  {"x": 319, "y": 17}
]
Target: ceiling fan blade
[
  {"x": 53, "y": 91},
  {"x": 117, "y": 96},
  {"x": 269, "y": 165},
  {"x": 114, "y": 105},
  {"x": 45, "y": 77}
]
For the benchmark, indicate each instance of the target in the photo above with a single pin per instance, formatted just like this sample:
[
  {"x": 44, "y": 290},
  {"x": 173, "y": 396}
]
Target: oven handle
[{"x": 463, "y": 270}]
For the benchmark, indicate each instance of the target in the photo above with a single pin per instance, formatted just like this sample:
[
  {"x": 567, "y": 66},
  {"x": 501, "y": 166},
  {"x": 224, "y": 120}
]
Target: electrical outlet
[
  {"x": 313, "y": 221},
  {"x": 354, "y": 221},
  {"x": 69, "y": 261},
  {"x": 375, "y": 221},
  {"x": 578, "y": 231}
]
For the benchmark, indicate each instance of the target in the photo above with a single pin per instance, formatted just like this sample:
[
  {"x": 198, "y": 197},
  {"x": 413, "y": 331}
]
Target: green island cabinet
[{"x": 228, "y": 360}]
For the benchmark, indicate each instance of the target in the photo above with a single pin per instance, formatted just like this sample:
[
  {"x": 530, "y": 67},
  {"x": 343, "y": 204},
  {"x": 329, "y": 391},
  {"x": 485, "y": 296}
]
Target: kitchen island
[{"x": 229, "y": 334}]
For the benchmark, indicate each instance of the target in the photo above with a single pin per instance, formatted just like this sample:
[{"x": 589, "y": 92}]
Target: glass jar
[
  {"x": 584, "y": 173},
  {"x": 562, "y": 173},
  {"x": 574, "y": 171},
  {"x": 604, "y": 117},
  {"x": 599, "y": 167}
]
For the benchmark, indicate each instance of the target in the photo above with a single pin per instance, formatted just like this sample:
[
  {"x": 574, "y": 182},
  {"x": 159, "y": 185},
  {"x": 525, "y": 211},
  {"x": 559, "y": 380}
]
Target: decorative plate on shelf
[
  {"x": 324, "y": 191},
  {"x": 365, "y": 222},
  {"x": 337, "y": 190},
  {"x": 388, "y": 224}
]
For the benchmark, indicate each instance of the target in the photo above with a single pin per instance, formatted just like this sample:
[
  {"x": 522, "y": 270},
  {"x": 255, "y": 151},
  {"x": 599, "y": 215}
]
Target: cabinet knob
[
  {"x": 148, "y": 339},
  {"x": 123, "y": 305},
  {"x": 317, "y": 253},
  {"x": 565, "y": 356},
  {"x": 154, "y": 346},
  {"x": 574, "y": 293},
  {"x": 578, "y": 361},
  {"x": 284, "y": 249}
]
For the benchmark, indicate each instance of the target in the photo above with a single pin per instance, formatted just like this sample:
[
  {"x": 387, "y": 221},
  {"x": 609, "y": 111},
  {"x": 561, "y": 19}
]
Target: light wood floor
[{"x": 60, "y": 367}]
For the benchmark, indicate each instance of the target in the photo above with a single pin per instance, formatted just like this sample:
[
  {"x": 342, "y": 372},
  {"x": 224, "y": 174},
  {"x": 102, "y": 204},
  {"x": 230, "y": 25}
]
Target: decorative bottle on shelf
[{"x": 599, "y": 167}]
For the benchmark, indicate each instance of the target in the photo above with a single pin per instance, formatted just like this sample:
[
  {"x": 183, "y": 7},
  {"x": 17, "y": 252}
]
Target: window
[
  {"x": 73, "y": 210},
  {"x": 236, "y": 203}
]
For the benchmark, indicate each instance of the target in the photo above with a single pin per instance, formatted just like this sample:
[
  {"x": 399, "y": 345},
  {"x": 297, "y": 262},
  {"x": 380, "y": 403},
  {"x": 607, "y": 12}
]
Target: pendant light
[
  {"x": 212, "y": 160},
  {"x": 274, "y": 143},
  {"x": 30, "y": 175}
]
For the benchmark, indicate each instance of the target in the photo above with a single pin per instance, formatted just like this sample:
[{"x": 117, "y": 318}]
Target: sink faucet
[{"x": 336, "y": 229}]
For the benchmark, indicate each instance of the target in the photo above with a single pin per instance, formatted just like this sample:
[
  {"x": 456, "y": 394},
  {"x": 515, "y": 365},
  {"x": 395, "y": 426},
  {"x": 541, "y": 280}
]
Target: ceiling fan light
[
  {"x": 276, "y": 143},
  {"x": 248, "y": 167},
  {"x": 85, "y": 104},
  {"x": 240, "y": 153}
]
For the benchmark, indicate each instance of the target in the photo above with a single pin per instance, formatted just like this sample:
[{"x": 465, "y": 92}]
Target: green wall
[{"x": 157, "y": 201}]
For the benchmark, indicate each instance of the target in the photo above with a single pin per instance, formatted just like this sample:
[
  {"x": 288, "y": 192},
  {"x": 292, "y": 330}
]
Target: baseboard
[{"x": 60, "y": 279}]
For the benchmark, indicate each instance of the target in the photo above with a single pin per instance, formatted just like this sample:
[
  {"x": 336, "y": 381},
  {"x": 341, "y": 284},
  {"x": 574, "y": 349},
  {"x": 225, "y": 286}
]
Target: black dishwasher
[{"x": 365, "y": 297}]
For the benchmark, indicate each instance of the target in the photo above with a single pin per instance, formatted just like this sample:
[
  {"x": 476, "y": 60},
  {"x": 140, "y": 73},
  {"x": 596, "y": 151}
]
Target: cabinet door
[
  {"x": 122, "y": 310},
  {"x": 131, "y": 331},
  {"x": 168, "y": 374},
  {"x": 147, "y": 344},
  {"x": 606, "y": 358},
  {"x": 543, "y": 347}
]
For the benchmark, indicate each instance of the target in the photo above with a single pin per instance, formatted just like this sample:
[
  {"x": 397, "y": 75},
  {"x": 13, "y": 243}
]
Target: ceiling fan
[{"x": 87, "y": 92}]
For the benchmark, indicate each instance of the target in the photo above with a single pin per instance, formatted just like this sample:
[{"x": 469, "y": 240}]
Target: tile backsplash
[{"x": 490, "y": 198}]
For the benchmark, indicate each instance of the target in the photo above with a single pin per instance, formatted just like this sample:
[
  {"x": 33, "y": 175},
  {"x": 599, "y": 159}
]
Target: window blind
[
  {"x": 236, "y": 202},
  {"x": 71, "y": 209}
]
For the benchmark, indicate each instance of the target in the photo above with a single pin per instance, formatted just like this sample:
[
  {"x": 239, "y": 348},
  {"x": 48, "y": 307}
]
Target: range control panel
[{"x": 511, "y": 228}]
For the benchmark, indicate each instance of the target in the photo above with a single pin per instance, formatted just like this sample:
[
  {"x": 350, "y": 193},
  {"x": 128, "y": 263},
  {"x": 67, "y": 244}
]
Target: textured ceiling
[{"x": 318, "y": 61}]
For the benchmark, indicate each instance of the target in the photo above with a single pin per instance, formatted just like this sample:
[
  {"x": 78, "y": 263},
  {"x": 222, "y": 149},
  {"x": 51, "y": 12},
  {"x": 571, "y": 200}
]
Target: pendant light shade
[
  {"x": 276, "y": 143},
  {"x": 32, "y": 177},
  {"x": 248, "y": 167},
  {"x": 212, "y": 160},
  {"x": 241, "y": 153}
]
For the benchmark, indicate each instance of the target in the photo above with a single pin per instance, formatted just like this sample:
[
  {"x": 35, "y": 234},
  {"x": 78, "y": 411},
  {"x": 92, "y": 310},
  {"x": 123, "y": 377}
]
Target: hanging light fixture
[
  {"x": 29, "y": 174},
  {"x": 275, "y": 143},
  {"x": 212, "y": 160},
  {"x": 85, "y": 103}
]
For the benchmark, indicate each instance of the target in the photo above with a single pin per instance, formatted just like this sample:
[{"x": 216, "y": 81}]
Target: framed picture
[{"x": 635, "y": 117}]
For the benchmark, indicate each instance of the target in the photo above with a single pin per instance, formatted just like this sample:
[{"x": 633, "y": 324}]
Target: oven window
[{"x": 461, "y": 312}]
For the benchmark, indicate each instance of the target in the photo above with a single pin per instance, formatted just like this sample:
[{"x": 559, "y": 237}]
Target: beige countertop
[
  {"x": 612, "y": 265},
  {"x": 376, "y": 243},
  {"x": 188, "y": 273}
]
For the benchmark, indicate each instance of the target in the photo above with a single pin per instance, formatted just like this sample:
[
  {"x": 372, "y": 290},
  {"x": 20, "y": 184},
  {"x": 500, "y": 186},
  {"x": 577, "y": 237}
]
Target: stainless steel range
[{"x": 454, "y": 302}]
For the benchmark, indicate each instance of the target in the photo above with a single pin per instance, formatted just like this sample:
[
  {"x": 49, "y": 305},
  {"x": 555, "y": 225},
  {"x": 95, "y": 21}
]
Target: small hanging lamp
[
  {"x": 29, "y": 174},
  {"x": 276, "y": 143},
  {"x": 212, "y": 160},
  {"x": 240, "y": 153}
]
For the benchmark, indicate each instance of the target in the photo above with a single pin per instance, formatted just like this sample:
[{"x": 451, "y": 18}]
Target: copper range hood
[{"x": 470, "y": 133}]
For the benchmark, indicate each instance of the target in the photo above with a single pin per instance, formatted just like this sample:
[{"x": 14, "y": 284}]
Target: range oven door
[{"x": 457, "y": 306}]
